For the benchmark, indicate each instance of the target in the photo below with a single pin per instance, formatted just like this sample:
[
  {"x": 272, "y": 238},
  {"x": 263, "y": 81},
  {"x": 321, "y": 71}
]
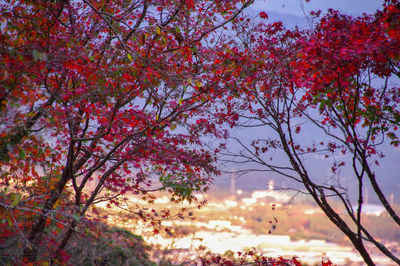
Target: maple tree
[
  {"x": 328, "y": 92},
  {"x": 98, "y": 99}
]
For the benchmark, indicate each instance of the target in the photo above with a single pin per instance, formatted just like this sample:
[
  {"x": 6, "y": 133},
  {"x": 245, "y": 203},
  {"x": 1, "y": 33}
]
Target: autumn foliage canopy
[{"x": 104, "y": 99}]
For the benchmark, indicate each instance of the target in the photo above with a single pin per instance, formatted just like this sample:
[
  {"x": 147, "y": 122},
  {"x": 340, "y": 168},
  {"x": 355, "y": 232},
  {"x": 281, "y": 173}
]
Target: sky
[{"x": 294, "y": 7}]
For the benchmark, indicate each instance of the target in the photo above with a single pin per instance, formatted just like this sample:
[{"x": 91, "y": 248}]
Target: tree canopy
[
  {"x": 98, "y": 98},
  {"x": 330, "y": 92},
  {"x": 103, "y": 99}
]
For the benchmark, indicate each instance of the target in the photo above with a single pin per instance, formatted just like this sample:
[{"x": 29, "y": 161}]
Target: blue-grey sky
[{"x": 294, "y": 7}]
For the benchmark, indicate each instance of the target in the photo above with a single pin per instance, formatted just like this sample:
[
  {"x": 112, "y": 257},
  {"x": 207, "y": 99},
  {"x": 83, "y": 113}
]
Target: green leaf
[
  {"x": 130, "y": 57},
  {"x": 16, "y": 199},
  {"x": 22, "y": 155},
  {"x": 10, "y": 222}
]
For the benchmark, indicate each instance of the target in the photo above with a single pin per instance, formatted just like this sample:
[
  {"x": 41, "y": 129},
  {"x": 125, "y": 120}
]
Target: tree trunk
[{"x": 35, "y": 235}]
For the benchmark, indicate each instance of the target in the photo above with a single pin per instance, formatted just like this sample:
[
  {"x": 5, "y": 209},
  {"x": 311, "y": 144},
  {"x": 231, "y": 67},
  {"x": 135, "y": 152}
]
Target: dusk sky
[{"x": 293, "y": 7}]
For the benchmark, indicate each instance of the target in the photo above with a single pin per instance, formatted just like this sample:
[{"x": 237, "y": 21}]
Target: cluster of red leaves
[
  {"x": 339, "y": 79},
  {"x": 337, "y": 68},
  {"x": 335, "y": 65},
  {"x": 105, "y": 95}
]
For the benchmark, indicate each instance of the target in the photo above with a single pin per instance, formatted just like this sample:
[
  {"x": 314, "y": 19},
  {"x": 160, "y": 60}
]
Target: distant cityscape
[
  {"x": 251, "y": 182},
  {"x": 219, "y": 234}
]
